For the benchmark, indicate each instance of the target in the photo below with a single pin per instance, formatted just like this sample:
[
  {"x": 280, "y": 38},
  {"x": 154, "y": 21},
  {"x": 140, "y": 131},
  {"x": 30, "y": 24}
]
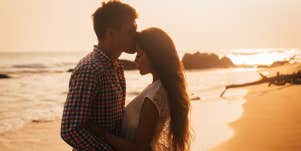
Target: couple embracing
[{"x": 95, "y": 117}]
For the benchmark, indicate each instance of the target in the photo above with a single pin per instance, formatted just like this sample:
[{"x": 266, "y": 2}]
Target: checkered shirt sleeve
[{"x": 82, "y": 93}]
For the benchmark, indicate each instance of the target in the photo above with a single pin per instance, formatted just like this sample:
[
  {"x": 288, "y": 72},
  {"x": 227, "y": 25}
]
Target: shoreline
[
  {"x": 271, "y": 118},
  {"x": 271, "y": 121},
  {"x": 264, "y": 125}
]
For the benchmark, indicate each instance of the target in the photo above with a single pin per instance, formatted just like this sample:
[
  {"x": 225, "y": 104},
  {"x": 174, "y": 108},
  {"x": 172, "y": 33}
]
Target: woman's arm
[{"x": 144, "y": 134}]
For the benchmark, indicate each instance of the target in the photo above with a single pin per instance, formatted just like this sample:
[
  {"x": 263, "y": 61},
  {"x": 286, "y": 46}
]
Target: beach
[
  {"x": 250, "y": 118},
  {"x": 34, "y": 136},
  {"x": 32, "y": 107},
  {"x": 271, "y": 120},
  {"x": 241, "y": 61}
]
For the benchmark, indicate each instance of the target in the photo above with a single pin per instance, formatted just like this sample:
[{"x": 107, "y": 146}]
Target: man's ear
[{"x": 108, "y": 34}]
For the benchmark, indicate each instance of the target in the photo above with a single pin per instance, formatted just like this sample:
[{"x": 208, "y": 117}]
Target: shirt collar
[{"x": 106, "y": 59}]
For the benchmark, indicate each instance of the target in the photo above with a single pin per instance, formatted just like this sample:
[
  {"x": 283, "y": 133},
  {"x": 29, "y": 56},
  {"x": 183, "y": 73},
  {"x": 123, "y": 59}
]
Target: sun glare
[{"x": 263, "y": 57}]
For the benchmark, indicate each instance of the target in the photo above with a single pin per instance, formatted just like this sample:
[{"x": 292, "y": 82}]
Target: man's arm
[
  {"x": 78, "y": 110},
  {"x": 144, "y": 134}
]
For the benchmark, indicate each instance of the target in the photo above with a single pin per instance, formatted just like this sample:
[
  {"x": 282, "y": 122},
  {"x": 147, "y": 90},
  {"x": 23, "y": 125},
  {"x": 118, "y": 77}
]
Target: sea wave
[
  {"x": 43, "y": 66},
  {"x": 14, "y": 120},
  {"x": 34, "y": 66},
  {"x": 22, "y": 71}
]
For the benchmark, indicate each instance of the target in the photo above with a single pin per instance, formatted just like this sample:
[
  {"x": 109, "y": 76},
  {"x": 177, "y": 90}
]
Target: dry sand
[{"x": 271, "y": 120}]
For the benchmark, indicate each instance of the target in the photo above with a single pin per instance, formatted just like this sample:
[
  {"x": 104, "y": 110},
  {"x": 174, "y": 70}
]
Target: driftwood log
[{"x": 279, "y": 79}]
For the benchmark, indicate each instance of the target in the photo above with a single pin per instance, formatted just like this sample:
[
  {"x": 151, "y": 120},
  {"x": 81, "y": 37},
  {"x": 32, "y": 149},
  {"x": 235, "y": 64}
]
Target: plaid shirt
[{"x": 97, "y": 93}]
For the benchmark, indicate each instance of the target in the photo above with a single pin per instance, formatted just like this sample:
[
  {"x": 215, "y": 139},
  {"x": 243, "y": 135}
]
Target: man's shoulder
[{"x": 91, "y": 64}]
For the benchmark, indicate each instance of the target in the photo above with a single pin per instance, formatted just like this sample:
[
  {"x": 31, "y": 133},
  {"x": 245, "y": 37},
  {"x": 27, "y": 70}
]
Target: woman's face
[{"x": 143, "y": 62}]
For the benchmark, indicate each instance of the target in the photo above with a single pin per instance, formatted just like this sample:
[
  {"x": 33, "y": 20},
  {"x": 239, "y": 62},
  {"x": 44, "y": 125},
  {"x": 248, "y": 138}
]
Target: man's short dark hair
[{"x": 111, "y": 15}]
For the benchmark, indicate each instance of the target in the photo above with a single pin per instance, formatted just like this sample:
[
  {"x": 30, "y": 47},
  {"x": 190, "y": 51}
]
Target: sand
[
  {"x": 271, "y": 120},
  {"x": 35, "y": 136}
]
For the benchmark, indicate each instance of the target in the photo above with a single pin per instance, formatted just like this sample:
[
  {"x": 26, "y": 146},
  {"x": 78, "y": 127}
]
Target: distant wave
[
  {"x": 37, "y": 68},
  {"x": 40, "y": 65},
  {"x": 65, "y": 64},
  {"x": 260, "y": 51},
  {"x": 31, "y": 71},
  {"x": 29, "y": 66},
  {"x": 262, "y": 56},
  {"x": 16, "y": 119}
]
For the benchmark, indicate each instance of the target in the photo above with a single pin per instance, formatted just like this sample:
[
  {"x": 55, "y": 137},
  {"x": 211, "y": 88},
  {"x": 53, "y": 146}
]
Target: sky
[{"x": 59, "y": 25}]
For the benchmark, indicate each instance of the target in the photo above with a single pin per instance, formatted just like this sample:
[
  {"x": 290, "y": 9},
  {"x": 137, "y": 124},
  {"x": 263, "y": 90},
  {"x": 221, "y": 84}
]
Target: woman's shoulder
[
  {"x": 158, "y": 96},
  {"x": 156, "y": 91}
]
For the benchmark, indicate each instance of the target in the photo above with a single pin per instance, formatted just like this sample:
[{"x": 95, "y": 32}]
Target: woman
[{"x": 157, "y": 119}]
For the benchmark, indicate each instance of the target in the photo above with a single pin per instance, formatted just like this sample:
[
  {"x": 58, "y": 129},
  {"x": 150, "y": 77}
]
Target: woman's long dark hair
[{"x": 161, "y": 51}]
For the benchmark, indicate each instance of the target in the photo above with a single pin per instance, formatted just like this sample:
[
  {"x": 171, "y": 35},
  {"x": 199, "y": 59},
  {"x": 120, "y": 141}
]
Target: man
[{"x": 97, "y": 84}]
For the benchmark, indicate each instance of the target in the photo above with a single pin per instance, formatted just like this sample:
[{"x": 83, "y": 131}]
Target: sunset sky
[{"x": 54, "y": 25}]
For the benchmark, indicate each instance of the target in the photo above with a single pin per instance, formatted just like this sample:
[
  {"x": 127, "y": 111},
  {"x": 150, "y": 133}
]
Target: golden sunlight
[{"x": 262, "y": 57}]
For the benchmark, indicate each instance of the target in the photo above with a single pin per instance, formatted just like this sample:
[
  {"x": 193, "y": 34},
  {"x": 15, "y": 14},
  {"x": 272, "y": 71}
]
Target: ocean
[{"x": 39, "y": 84}]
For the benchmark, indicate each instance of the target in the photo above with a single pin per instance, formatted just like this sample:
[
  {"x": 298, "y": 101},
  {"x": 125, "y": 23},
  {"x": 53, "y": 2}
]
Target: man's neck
[{"x": 112, "y": 54}]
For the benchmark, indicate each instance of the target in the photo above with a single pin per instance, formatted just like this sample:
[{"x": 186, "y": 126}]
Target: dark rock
[
  {"x": 194, "y": 97},
  {"x": 4, "y": 76},
  {"x": 274, "y": 64},
  {"x": 129, "y": 65},
  {"x": 279, "y": 63},
  {"x": 41, "y": 121},
  {"x": 262, "y": 66},
  {"x": 205, "y": 60},
  {"x": 70, "y": 70},
  {"x": 282, "y": 62},
  {"x": 226, "y": 62}
]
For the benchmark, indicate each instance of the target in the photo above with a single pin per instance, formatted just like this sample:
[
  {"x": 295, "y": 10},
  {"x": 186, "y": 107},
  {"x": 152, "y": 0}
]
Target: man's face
[{"x": 124, "y": 38}]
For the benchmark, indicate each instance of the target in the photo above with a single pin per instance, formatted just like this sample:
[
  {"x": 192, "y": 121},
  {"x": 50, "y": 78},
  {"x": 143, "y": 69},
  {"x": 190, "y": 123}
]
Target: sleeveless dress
[{"x": 157, "y": 94}]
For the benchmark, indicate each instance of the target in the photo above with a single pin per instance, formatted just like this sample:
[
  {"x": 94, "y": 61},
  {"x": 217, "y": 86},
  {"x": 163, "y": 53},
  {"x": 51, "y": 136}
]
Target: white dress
[{"x": 158, "y": 95}]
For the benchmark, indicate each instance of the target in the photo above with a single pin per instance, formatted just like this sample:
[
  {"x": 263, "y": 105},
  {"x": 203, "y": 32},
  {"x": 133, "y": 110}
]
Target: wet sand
[
  {"x": 35, "y": 136},
  {"x": 271, "y": 120}
]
